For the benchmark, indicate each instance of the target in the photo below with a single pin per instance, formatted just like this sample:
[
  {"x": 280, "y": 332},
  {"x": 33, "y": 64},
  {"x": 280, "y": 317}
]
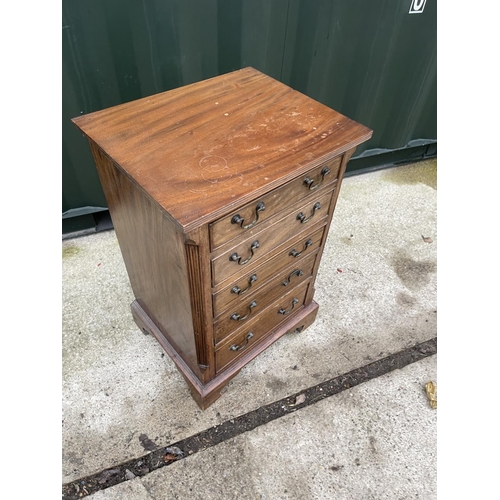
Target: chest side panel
[{"x": 155, "y": 257}]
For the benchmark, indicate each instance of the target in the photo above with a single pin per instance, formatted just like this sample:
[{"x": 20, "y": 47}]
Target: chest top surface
[{"x": 201, "y": 150}]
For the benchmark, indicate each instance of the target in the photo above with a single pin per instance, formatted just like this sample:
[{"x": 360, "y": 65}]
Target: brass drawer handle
[
  {"x": 303, "y": 218},
  {"x": 309, "y": 182},
  {"x": 236, "y": 258},
  {"x": 236, "y": 347},
  {"x": 294, "y": 252},
  {"x": 238, "y": 291},
  {"x": 298, "y": 272},
  {"x": 238, "y": 317},
  {"x": 286, "y": 311},
  {"x": 239, "y": 220}
]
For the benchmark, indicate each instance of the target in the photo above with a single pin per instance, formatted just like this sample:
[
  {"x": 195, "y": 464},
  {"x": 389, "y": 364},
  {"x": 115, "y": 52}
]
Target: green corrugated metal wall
[{"x": 372, "y": 61}]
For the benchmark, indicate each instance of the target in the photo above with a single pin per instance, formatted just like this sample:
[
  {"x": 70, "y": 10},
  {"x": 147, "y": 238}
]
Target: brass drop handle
[
  {"x": 309, "y": 182},
  {"x": 240, "y": 220},
  {"x": 238, "y": 317},
  {"x": 287, "y": 311},
  {"x": 294, "y": 252},
  {"x": 298, "y": 272},
  {"x": 303, "y": 218},
  {"x": 236, "y": 258},
  {"x": 238, "y": 291},
  {"x": 236, "y": 347}
]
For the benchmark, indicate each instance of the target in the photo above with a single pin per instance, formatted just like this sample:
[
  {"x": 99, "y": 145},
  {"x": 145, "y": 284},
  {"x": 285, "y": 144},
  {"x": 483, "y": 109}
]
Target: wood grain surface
[{"x": 202, "y": 150}]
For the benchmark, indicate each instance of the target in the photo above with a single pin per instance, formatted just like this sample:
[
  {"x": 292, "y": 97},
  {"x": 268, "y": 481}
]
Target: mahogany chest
[{"x": 221, "y": 195}]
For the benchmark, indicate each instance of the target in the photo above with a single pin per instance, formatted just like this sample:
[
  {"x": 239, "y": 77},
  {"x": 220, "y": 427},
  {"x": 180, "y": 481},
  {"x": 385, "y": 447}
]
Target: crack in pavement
[{"x": 219, "y": 433}]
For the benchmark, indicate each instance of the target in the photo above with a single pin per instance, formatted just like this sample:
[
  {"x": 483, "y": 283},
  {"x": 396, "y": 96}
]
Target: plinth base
[{"x": 206, "y": 394}]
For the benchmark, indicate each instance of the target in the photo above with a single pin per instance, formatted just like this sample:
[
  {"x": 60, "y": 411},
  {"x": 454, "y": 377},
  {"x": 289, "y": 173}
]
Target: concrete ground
[{"x": 376, "y": 287}]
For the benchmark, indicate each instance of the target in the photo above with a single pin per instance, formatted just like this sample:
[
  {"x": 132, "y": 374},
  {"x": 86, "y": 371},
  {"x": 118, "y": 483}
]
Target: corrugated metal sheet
[{"x": 369, "y": 60}]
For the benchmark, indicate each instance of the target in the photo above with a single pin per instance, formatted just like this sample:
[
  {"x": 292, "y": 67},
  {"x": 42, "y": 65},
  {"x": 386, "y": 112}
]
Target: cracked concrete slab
[{"x": 374, "y": 441}]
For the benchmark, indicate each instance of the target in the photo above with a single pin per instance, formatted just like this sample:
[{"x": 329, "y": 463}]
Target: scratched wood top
[{"x": 204, "y": 149}]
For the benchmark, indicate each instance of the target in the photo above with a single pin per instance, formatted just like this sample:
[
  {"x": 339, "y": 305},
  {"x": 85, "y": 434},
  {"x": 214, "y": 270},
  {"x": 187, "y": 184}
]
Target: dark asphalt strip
[{"x": 234, "y": 427}]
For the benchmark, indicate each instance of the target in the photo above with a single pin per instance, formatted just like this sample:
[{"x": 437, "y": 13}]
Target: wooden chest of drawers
[{"x": 221, "y": 195}]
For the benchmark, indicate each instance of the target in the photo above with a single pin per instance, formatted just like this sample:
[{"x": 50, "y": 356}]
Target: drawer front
[
  {"x": 250, "y": 216},
  {"x": 252, "y": 250},
  {"x": 243, "y": 341},
  {"x": 251, "y": 307},
  {"x": 252, "y": 281}
]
